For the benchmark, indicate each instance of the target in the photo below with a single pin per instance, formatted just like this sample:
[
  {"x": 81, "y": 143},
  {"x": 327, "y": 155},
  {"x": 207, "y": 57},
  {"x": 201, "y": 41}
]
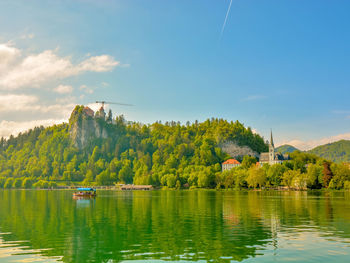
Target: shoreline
[{"x": 170, "y": 189}]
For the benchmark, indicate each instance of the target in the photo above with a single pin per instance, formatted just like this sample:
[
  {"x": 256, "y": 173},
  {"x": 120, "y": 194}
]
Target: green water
[{"x": 45, "y": 226}]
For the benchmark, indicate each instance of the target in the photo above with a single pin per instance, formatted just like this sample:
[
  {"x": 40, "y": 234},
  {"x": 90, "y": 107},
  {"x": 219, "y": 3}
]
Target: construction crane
[{"x": 117, "y": 103}]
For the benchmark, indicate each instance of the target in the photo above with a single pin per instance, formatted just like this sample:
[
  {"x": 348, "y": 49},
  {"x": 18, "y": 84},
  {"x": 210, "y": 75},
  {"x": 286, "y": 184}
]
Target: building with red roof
[{"x": 229, "y": 164}]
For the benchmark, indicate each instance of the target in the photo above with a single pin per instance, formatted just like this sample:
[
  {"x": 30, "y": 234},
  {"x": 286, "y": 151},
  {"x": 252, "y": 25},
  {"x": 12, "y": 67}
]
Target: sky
[{"x": 271, "y": 64}]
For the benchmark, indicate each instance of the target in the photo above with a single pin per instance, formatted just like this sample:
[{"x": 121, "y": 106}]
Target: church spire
[{"x": 271, "y": 140}]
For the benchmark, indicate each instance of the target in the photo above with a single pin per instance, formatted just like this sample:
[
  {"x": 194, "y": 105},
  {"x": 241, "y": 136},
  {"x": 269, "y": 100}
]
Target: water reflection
[
  {"x": 82, "y": 202},
  {"x": 175, "y": 225},
  {"x": 18, "y": 251}
]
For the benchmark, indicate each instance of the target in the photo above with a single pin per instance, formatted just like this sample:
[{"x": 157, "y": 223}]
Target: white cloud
[
  {"x": 26, "y": 109},
  {"x": 29, "y": 107},
  {"x": 10, "y": 103},
  {"x": 11, "y": 127},
  {"x": 98, "y": 64},
  {"x": 37, "y": 69},
  {"x": 86, "y": 89},
  {"x": 7, "y": 55},
  {"x": 17, "y": 102},
  {"x": 63, "y": 89},
  {"x": 308, "y": 145}
]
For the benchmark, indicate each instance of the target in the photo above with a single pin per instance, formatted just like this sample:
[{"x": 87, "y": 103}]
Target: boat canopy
[{"x": 86, "y": 189}]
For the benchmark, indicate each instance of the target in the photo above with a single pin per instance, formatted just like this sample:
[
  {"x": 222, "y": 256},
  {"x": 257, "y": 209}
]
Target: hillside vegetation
[
  {"x": 159, "y": 154},
  {"x": 337, "y": 151},
  {"x": 93, "y": 149},
  {"x": 286, "y": 149}
]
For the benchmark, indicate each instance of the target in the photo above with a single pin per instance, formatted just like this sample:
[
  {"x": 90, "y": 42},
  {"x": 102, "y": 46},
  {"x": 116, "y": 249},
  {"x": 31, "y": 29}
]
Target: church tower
[{"x": 271, "y": 151}]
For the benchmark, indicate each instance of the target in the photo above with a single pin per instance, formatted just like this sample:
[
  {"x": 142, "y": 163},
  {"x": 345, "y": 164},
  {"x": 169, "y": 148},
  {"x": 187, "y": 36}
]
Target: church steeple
[
  {"x": 271, "y": 140},
  {"x": 271, "y": 151}
]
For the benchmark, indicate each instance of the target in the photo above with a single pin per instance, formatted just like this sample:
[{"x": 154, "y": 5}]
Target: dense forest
[
  {"x": 337, "y": 151},
  {"x": 169, "y": 155}
]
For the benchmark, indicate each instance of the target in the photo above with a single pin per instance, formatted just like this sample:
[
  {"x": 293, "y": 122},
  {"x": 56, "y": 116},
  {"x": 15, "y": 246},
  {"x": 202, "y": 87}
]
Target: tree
[
  {"x": 109, "y": 116},
  {"x": 229, "y": 179},
  {"x": 8, "y": 183},
  {"x": 125, "y": 174},
  {"x": 300, "y": 181},
  {"x": 341, "y": 174},
  {"x": 204, "y": 180},
  {"x": 256, "y": 177},
  {"x": 89, "y": 178},
  {"x": 178, "y": 184},
  {"x": 103, "y": 178},
  {"x": 327, "y": 173},
  {"x": 248, "y": 161},
  {"x": 17, "y": 183},
  {"x": 240, "y": 178},
  {"x": 170, "y": 180},
  {"x": 27, "y": 183},
  {"x": 275, "y": 174},
  {"x": 314, "y": 176},
  {"x": 288, "y": 177}
]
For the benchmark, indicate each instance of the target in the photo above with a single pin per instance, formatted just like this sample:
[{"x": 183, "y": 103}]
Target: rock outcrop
[
  {"x": 234, "y": 150},
  {"x": 84, "y": 126}
]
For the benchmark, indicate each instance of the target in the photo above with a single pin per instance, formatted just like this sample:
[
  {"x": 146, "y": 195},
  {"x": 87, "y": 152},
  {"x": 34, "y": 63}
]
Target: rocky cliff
[
  {"x": 234, "y": 150},
  {"x": 84, "y": 126}
]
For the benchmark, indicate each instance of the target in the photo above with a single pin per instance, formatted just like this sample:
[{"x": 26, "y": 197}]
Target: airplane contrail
[{"x": 227, "y": 13}]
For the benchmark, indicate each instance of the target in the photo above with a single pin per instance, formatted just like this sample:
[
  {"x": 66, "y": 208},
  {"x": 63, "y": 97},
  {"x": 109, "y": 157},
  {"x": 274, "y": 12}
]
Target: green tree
[
  {"x": 17, "y": 183},
  {"x": 89, "y": 178},
  {"x": 27, "y": 183},
  {"x": 125, "y": 174},
  {"x": 8, "y": 183},
  {"x": 248, "y": 161},
  {"x": 103, "y": 178},
  {"x": 170, "y": 180},
  {"x": 178, "y": 184},
  {"x": 288, "y": 177},
  {"x": 314, "y": 176},
  {"x": 256, "y": 177},
  {"x": 275, "y": 174}
]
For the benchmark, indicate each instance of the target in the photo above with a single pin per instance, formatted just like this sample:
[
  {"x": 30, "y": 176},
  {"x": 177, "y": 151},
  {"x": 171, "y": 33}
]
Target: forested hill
[
  {"x": 337, "y": 151},
  {"x": 93, "y": 148},
  {"x": 286, "y": 148}
]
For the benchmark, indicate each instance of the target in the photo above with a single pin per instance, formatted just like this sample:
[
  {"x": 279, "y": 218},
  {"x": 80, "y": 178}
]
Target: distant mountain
[
  {"x": 286, "y": 149},
  {"x": 337, "y": 151}
]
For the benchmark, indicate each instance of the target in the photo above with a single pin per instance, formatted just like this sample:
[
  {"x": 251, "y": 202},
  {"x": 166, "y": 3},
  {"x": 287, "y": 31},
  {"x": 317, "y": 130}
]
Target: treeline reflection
[{"x": 168, "y": 225}]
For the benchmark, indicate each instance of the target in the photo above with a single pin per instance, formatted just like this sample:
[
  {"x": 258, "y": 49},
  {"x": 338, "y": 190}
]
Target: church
[{"x": 272, "y": 157}]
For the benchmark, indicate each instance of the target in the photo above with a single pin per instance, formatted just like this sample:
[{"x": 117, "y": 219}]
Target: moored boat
[{"x": 85, "y": 192}]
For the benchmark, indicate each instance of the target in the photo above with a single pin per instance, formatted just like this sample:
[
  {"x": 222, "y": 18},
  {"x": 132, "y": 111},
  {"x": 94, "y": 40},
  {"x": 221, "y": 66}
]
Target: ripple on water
[{"x": 174, "y": 225}]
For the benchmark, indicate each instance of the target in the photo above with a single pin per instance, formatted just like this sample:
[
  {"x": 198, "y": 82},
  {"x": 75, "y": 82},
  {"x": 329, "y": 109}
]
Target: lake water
[{"x": 155, "y": 226}]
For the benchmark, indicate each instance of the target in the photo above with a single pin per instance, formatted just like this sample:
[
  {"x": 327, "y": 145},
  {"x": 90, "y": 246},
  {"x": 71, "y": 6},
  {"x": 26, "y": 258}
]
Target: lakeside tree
[{"x": 256, "y": 177}]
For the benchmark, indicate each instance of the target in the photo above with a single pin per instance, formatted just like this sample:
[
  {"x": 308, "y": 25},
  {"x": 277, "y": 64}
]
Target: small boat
[{"x": 85, "y": 192}]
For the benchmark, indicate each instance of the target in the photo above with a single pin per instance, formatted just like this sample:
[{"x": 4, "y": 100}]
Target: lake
[{"x": 156, "y": 226}]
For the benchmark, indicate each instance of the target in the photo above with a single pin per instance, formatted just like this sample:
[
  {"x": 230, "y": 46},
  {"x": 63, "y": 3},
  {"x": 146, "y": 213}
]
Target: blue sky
[{"x": 278, "y": 64}]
